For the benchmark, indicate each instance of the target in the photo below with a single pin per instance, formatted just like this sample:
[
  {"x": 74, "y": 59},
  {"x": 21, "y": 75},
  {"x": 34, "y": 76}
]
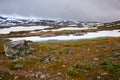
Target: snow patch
[{"x": 90, "y": 35}]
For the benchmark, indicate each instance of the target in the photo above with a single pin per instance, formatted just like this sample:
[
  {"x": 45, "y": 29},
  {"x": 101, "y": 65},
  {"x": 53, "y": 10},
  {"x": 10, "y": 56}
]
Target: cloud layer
[{"x": 82, "y": 10}]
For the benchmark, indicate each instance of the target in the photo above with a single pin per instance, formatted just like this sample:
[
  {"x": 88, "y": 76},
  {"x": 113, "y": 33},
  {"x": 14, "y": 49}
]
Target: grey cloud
[{"x": 83, "y": 10}]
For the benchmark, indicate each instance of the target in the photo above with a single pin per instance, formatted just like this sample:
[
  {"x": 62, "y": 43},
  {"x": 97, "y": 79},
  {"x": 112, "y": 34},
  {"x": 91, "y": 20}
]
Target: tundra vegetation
[{"x": 97, "y": 59}]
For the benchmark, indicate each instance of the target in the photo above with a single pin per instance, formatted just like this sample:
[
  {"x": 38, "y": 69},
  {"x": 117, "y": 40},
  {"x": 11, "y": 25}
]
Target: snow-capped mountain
[
  {"x": 14, "y": 21},
  {"x": 8, "y": 21}
]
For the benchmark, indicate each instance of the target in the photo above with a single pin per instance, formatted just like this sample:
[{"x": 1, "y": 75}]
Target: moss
[
  {"x": 79, "y": 69},
  {"x": 72, "y": 71},
  {"x": 111, "y": 66}
]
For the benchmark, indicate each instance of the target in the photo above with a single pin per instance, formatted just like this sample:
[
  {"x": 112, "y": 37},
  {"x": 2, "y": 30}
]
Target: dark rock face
[{"x": 17, "y": 49}]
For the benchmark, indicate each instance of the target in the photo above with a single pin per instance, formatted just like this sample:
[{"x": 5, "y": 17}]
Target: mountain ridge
[{"x": 13, "y": 21}]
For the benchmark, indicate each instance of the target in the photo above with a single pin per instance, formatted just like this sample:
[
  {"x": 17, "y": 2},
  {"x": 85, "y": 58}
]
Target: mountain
[
  {"x": 8, "y": 21},
  {"x": 12, "y": 21}
]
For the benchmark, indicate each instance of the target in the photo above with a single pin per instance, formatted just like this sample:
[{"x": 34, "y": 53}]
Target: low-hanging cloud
[{"x": 82, "y": 10}]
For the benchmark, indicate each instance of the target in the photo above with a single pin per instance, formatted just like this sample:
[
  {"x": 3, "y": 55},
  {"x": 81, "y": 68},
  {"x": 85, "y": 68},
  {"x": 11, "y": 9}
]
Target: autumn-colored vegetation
[{"x": 97, "y": 59}]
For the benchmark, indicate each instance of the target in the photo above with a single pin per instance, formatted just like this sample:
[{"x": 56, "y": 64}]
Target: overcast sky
[{"x": 82, "y": 10}]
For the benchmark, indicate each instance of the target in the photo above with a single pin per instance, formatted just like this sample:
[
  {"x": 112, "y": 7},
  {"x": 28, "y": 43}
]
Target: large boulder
[{"x": 17, "y": 49}]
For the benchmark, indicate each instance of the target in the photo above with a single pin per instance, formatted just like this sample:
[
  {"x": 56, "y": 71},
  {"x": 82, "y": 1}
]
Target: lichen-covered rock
[{"x": 17, "y": 49}]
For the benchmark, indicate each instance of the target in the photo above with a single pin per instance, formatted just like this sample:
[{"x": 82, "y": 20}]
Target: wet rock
[{"x": 17, "y": 49}]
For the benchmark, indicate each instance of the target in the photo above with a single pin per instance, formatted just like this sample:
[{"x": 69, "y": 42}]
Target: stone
[
  {"x": 59, "y": 73},
  {"x": 98, "y": 77},
  {"x": 95, "y": 64},
  {"x": 104, "y": 73},
  {"x": 17, "y": 49},
  {"x": 46, "y": 59},
  {"x": 95, "y": 59},
  {"x": 42, "y": 76},
  {"x": 53, "y": 58},
  {"x": 70, "y": 51},
  {"x": 38, "y": 75},
  {"x": 16, "y": 77}
]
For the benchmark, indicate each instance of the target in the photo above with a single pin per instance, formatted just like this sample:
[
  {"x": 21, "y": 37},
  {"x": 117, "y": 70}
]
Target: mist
[{"x": 80, "y": 10}]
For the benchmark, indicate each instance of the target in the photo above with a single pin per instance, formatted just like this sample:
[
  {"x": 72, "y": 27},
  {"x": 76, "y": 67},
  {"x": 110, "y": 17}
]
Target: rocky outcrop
[{"x": 17, "y": 49}]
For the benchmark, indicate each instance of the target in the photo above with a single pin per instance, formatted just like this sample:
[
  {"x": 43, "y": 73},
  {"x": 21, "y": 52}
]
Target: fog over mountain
[{"x": 82, "y": 10}]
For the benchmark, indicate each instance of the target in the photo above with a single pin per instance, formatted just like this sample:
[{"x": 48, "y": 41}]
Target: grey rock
[
  {"x": 95, "y": 64},
  {"x": 53, "y": 58},
  {"x": 17, "y": 49},
  {"x": 46, "y": 59},
  {"x": 70, "y": 51}
]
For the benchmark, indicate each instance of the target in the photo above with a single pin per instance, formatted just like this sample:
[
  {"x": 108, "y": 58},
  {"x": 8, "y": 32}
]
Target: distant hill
[{"x": 10, "y": 21}]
